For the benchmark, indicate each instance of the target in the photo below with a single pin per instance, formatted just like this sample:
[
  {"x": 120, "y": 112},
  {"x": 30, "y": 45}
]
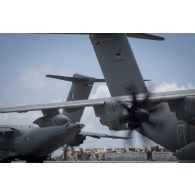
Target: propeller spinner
[{"x": 137, "y": 114}]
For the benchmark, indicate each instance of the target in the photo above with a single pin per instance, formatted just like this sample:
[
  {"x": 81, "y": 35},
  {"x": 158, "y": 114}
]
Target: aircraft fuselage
[{"x": 33, "y": 142}]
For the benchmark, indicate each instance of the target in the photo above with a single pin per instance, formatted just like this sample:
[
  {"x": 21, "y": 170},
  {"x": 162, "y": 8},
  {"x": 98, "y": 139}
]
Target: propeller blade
[
  {"x": 154, "y": 109},
  {"x": 143, "y": 103},
  {"x": 151, "y": 123},
  {"x": 126, "y": 106},
  {"x": 135, "y": 104},
  {"x": 157, "y": 108},
  {"x": 154, "y": 123}
]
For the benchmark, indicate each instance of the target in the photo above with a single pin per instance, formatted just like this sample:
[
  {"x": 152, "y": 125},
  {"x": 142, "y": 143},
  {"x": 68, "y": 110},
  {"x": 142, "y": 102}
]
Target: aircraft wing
[
  {"x": 154, "y": 97},
  {"x": 69, "y": 104},
  {"x": 100, "y": 135}
]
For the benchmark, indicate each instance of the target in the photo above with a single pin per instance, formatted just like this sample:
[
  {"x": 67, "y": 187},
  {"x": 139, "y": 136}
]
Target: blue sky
[{"x": 26, "y": 58}]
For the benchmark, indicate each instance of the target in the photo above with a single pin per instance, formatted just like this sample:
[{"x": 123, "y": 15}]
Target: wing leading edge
[{"x": 154, "y": 97}]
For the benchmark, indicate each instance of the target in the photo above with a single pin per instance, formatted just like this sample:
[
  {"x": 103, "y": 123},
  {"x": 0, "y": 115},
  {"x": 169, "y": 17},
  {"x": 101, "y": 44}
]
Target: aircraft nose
[
  {"x": 80, "y": 126},
  {"x": 77, "y": 125},
  {"x": 71, "y": 129},
  {"x": 68, "y": 132}
]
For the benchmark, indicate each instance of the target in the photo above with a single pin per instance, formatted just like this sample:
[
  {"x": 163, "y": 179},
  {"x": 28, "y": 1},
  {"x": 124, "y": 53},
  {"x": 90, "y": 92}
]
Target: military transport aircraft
[
  {"x": 167, "y": 118},
  {"x": 33, "y": 143}
]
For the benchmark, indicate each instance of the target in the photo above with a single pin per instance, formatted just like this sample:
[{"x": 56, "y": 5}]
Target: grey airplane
[
  {"x": 167, "y": 118},
  {"x": 34, "y": 143}
]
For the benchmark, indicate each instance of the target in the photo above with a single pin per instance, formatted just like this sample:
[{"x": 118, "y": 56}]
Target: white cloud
[
  {"x": 19, "y": 119},
  {"x": 165, "y": 86},
  {"x": 101, "y": 91},
  {"x": 33, "y": 77}
]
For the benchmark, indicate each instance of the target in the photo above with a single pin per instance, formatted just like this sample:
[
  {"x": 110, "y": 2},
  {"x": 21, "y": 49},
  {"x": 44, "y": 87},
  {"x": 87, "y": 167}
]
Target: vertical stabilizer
[
  {"x": 118, "y": 64},
  {"x": 80, "y": 89}
]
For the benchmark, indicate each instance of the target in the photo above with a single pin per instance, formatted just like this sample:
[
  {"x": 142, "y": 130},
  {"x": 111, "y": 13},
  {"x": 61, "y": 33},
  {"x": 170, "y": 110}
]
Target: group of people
[
  {"x": 80, "y": 154},
  {"x": 149, "y": 151}
]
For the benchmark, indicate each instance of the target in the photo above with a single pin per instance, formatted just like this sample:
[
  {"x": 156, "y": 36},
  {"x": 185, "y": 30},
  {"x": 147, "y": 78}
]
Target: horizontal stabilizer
[
  {"x": 133, "y": 35},
  {"x": 147, "y": 80},
  {"x": 138, "y": 36},
  {"x": 76, "y": 78},
  {"x": 100, "y": 135},
  {"x": 145, "y": 36}
]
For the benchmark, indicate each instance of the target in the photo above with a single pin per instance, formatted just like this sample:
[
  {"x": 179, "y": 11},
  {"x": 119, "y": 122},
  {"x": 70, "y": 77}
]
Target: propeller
[{"x": 141, "y": 114}]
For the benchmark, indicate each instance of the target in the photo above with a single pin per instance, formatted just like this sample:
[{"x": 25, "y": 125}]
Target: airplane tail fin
[
  {"x": 118, "y": 62},
  {"x": 80, "y": 90}
]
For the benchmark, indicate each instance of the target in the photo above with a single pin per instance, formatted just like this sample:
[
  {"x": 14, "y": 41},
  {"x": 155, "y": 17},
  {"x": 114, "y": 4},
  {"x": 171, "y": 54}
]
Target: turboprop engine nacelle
[
  {"x": 48, "y": 121},
  {"x": 110, "y": 115}
]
